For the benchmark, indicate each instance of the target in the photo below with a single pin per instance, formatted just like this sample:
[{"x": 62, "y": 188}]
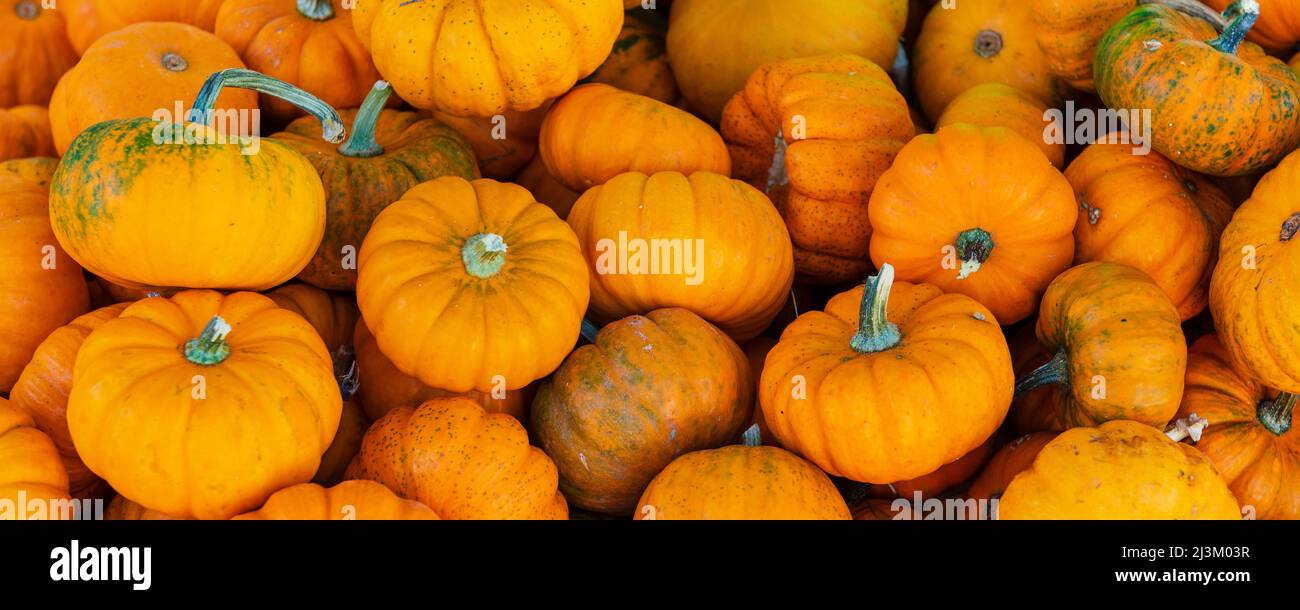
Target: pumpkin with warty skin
[
  {"x": 25, "y": 132},
  {"x": 145, "y": 70},
  {"x": 462, "y": 462},
  {"x": 470, "y": 59},
  {"x": 706, "y": 243},
  {"x": 502, "y": 143},
  {"x": 1000, "y": 105},
  {"x": 545, "y": 188},
  {"x": 123, "y": 509},
  {"x": 947, "y": 476},
  {"x": 639, "y": 61},
  {"x": 1253, "y": 291},
  {"x": 203, "y": 405},
  {"x": 1012, "y": 459},
  {"x": 35, "y": 170},
  {"x": 821, "y": 392},
  {"x": 1119, "y": 470},
  {"x": 1118, "y": 352},
  {"x": 1146, "y": 212},
  {"x": 1068, "y": 31},
  {"x": 653, "y": 137},
  {"x": 789, "y": 136},
  {"x": 38, "y": 52},
  {"x": 247, "y": 221},
  {"x": 1277, "y": 30},
  {"x": 386, "y": 154},
  {"x": 90, "y": 20},
  {"x": 465, "y": 284},
  {"x": 649, "y": 389},
  {"x": 349, "y": 500},
  {"x": 1254, "y": 98},
  {"x": 977, "y": 211},
  {"x": 353, "y": 424},
  {"x": 30, "y": 469},
  {"x": 714, "y": 45}
]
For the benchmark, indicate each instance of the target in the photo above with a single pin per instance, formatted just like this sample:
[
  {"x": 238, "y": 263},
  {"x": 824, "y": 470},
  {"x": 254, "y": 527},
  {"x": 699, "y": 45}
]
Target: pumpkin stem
[
  {"x": 316, "y": 10},
  {"x": 483, "y": 255},
  {"x": 173, "y": 62},
  {"x": 988, "y": 44},
  {"x": 875, "y": 332},
  {"x": 1275, "y": 415},
  {"x": 778, "y": 175},
  {"x": 1193, "y": 426},
  {"x": 1290, "y": 227},
  {"x": 210, "y": 346},
  {"x": 1241, "y": 15},
  {"x": 362, "y": 141},
  {"x": 1055, "y": 371},
  {"x": 589, "y": 331},
  {"x": 345, "y": 370},
  {"x": 28, "y": 9},
  {"x": 331, "y": 124},
  {"x": 974, "y": 247},
  {"x": 752, "y": 437}
]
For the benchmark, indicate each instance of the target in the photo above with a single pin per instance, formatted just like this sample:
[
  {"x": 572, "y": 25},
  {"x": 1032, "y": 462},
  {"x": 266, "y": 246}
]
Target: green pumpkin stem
[
  {"x": 483, "y": 255},
  {"x": 1241, "y": 16},
  {"x": 210, "y": 347},
  {"x": 875, "y": 332},
  {"x": 331, "y": 124},
  {"x": 362, "y": 141},
  {"x": 1056, "y": 371},
  {"x": 589, "y": 331},
  {"x": 1275, "y": 415},
  {"x": 752, "y": 437},
  {"x": 974, "y": 246},
  {"x": 316, "y": 10}
]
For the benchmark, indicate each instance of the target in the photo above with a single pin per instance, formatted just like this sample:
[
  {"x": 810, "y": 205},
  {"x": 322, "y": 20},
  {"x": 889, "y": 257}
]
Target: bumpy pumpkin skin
[
  {"x": 347, "y": 501},
  {"x": 963, "y": 180},
  {"x": 502, "y": 143},
  {"x": 652, "y": 137},
  {"x": 822, "y": 169},
  {"x": 25, "y": 132},
  {"x": 1068, "y": 32},
  {"x": 714, "y": 45},
  {"x": 1120, "y": 470},
  {"x": 266, "y": 413},
  {"x": 650, "y": 389},
  {"x": 747, "y": 265},
  {"x": 37, "y": 54},
  {"x": 357, "y": 189},
  {"x": 35, "y": 170},
  {"x": 1253, "y": 293},
  {"x": 89, "y": 20},
  {"x": 1277, "y": 29},
  {"x": 1012, "y": 459},
  {"x": 639, "y": 61},
  {"x": 1146, "y": 212},
  {"x": 138, "y": 71},
  {"x": 123, "y": 509},
  {"x": 1000, "y": 105},
  {"x": 30, "y": 468},
  {"x": 1166, "y": 50},
  {"x": 469, "y": 59},
  {"x": 741, "y": 483},
  {"x": 462, "y": 462}
]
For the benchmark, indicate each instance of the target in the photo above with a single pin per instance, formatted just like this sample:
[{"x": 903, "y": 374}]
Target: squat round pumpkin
[
  {"x": 89, "y": 20},
  {"x": 1068, "y": 32},
  {"x": 25, "y": 132},
  {"x": 38, "y": 52},
  {"x": 30, "y": 470},
  {"x": 347, "y": 501},
  {"x": 1000, "y": 105}
]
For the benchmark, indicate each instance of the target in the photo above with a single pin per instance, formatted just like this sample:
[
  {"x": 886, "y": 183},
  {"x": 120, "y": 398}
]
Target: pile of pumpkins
[{"x": 665, "y": 259}]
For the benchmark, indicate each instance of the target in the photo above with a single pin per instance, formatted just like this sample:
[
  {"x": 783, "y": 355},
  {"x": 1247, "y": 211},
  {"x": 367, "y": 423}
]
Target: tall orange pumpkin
[
  {"x": 38, "y": 52},
  {"x": 1068, "y": 31},
  {"x": 33, "y": 483},
  {"x": 1001, "y": 105},
  {"x": 89, "y": 20},
  {"x": 347, "y": 501},
  {"x": 25, "y": 132}
]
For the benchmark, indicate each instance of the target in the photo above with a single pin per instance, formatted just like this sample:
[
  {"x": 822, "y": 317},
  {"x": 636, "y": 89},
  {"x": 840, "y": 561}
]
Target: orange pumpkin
[
  {"x": 946, "y": 477},
  {"x": 639, "y": 61},
  {"x": 1068, "y": 31},
  {"x": 1012, "y": 459},
  {"x": 123, "y": 509},
  {"x": 346, "y": 444},
  {"x": 502, "y": 143},
  {"x": 978, "y": 211},
  {"x": 1001, "y": 105},
  {"x": 36, "y": 170},
  {"x": 89, "y": 20},
  {"x": 333, "y": 315},
  {"x": 790, "y": 135},
  {"x": 37, "y": 53},
  {"x": 33, "y": 483},
  {"x": 25, "y": 132},
  {"x": 346, "y": 501},
  {"x": 1277, "y": 29},
  {"x": 545, "y": 188}
]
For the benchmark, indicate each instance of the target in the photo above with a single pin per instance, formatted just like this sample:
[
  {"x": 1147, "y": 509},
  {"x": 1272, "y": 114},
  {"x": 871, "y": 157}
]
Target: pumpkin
[
  {"x": 43, "y": 387},
  {"x": 652, "y": 137},
  {"x": 1119, "y": 470},
  {"x": 33, "y": 483},
  {"x": 386, "y": 153},
  {"x": 502, "y": 143},
  {"x": 333, "y": 315},
  {"x": 470, "y": 59},
  {"x": 146, "y": 70},
  {"x": 1146, "y": 212},
  {"x": 36, "y": 170},
  {"x": 1068, "y": 31},
  {"x": 790, "y": 135},
  {"x": 246, "y": 221},
  {"x": 1277, "y": 30},
  {"x": 123, "y": 509},
  {"x": 25, "y": 132},
  {"x": 1118, "y": 352},
  {"x": 648, "y": 389},
  {"x": 1012, "y": 459},
  {"x": 203, "y": 405},
  {"x": 461, "y": 461},
  {"x": 90, "y": 20},
  {"x": 545, "y": 188},
  {"x": 346, "y": 501},
  {"x": 1154, "y": 58},
  {"x": 979, "y": 41},
  {"x": 977, "y": 211},
  {"x": 823, "y": 396},
  {"x": 1001, "y": 105},
  {"x": 41, "y": 288},
  {"x": 639, "y": 61},
  {"x": 1252, "y": 292},
  {"x": 706, "y": 243},
  {"x": 1249, "y": 437},
  {"x": 946, "y": 477},
  {"x": 741, "y": 482},
  {"x": 308, "y": 43},
  {"x": 38, "y": 52},
  {"x": 468, "y": 285},
  {"x": 714, "y": 45},
  {"x": 346, "y": 444}
]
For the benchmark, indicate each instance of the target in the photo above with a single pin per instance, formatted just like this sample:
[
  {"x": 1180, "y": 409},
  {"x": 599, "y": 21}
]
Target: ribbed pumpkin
[
  {"x": 639, "y": 61},
  {"x": 353, "y": 424},
  {"x": 1154, "y": 58},
  {"x": 35, "y": 170},
  {"x": 502, "y": 143},
  {"x": 652, "y": 137},
  {"x": 472, "y": 59},
  {"x": 947, "y": 381},
  {"x": 977, "y": 211},
  {"x": 145, "y": 70},
  {"x": 1068, "y": 32},
  {"x": 1012, "y": 459},
  {"x": 25, "y": 132},
  {"x": 38, "y": 52},
  {"x": 245, "y": 221},
  {"x": 946, "y": 477},
  {"x": 461, "y": 461},
  {"x": 1120, "y": 470},
  {"x": 123, "y": 509},
  {"x": 89, "y": 20},
  {"x": 1001, "y": 105},
  {"x": 545, "y": 188},
  {"x": 815, "y": 134},
  {"x": 203, "y": 405},
  {"x": 347, "y": 501},
  {"x": 1118, "y": 352},
  {"x": 1277, "y": 29},
  {"x": 386, "y": 154},
  {"x": 714, "y": 45},
  {"x": 33, "y": 482},
  {"x": 649, "y": 389},
  {"x": 468, "y": 284},
  {"x": 705, "y": 243}
]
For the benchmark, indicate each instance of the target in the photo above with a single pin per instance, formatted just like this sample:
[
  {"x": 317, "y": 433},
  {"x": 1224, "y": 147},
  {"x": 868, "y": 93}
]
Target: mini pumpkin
[
  {"x": 33, "y": 483},
  {"x": 38, "y": 52},
  {"x": 1068, "y": 32},
  {"x": 639, "y": 61},
  {"x": 346, "y": 501},
  {"x": 25, "y": 132},
  {"x": 1001, "y": 105},
  {"x": 1012, "y": 459},
  {"x": 90, "y": 20}
]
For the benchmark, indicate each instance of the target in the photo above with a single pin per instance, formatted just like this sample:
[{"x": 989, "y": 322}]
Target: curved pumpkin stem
[
  {"x": 752, "y": 437},
  {"x": 1275, "y": 415},
  {"x": 316, "y": 10},
  {"x": 1241, "y": 16},
  {"x": 1056, "y": 370},
  {"x": 974, "y": 246},
  {"x": 362, "y": 141},
  {"x": 875, "y": 332},
  {"x": 331, "y": 124},
  {"x": 483, "y": 255},
  {"x": 210, "y": 347}
]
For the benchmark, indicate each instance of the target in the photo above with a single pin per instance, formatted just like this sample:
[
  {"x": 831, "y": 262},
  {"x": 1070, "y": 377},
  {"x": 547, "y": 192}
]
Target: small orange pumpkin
[
  {"x": 346, "y": 501},
  {"x": 1001, "y": 105},
  {"x": 25, "y": 132},
  {"x": 639, "y": 61},
  {"x": 33, "y": 483},
  {"x": 89, "y": 20},
  {"x": 37, "y": 53},
  {"x": 1068, "y": 32}
]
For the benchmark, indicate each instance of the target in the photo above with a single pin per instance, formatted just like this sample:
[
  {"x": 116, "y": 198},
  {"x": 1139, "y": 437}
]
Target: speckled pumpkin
[
  {"x": 37, "y": 52},
  {"x": 25, "y": 132},
  {"x": 639, "y": 61},
  {"x": 1001, "y": 105},
  {"x": 89, "y": 20},
  {"x": 347, "y": 501},
  {"x": 31, "y": 472},
  {"x": 1012, "y": 459},
  {"x": 1068, "y": 31}
]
